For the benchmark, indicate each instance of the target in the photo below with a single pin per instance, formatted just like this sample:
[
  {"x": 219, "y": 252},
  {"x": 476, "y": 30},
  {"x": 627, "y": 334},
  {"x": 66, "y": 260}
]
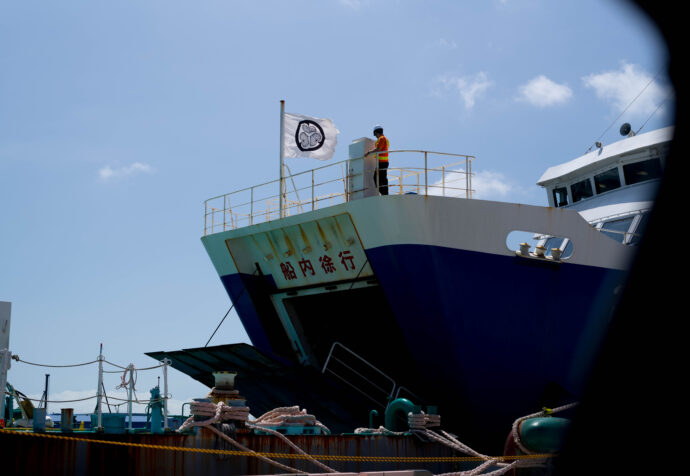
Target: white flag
[{"x": 308, "y": 137}]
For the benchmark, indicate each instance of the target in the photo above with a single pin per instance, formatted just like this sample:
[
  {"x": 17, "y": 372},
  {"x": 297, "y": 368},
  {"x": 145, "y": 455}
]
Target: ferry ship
[{"x": 352, "y": 299}]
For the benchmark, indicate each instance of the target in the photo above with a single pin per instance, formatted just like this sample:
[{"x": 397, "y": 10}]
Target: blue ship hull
[{"x": 488, "y": 338}]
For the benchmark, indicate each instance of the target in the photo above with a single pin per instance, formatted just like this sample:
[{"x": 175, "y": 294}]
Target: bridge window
[
  {"x": 640, "y": 229},
  {"x": 641, "y": 171},
  {"x": 617, "y": 229},
  {"x": 560, "y": 196},
  {"x": 605, "y": 181},
  {"x": 581, "y": 189}
]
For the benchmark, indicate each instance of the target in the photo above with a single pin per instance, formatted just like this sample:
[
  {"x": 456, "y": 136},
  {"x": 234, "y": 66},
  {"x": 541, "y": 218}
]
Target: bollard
[
  {"x": 66, "y": 415},
  {"x": 39, "y": 420}
]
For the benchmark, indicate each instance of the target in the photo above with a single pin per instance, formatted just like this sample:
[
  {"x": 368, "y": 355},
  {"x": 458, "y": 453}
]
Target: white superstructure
[{"x": 612, "y": 187}]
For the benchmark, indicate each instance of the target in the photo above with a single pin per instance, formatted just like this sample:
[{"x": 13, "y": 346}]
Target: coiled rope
[{"x": 284, "y": 415}]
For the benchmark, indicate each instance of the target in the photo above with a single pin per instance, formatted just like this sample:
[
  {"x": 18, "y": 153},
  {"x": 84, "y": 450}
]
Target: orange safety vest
[{"x": 382, "y": 144}]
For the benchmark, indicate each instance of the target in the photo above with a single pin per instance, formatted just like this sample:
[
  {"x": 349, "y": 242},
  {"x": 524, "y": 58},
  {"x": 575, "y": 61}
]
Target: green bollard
[{"x": 544, "y": 434}]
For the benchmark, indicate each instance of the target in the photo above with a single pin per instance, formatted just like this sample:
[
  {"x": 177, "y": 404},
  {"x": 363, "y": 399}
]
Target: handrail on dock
[
  {"x": 127, "y": 383},
  {"x": 332, "y": 184}
]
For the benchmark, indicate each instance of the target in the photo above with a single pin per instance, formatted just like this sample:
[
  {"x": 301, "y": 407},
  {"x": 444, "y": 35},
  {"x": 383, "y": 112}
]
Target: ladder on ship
[{"x": 361, "y": 375}]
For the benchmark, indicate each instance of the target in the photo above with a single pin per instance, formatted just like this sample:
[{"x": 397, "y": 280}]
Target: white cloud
[
  {"x": 450, "y": 44},
  {"x": 620, "y": 87},
  {"x": 351, "y": 3},
  {"x": 490, "y": 185},
  {"x": 487, "y": 185},
  {"x": 470, "y": 88},
  {"x": 110, "y": 173},
  {"x": 543, "y": 92}
]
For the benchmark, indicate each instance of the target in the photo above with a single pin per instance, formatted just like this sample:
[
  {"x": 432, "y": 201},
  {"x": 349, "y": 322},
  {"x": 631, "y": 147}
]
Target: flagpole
[{"x": 282, "y": 148}]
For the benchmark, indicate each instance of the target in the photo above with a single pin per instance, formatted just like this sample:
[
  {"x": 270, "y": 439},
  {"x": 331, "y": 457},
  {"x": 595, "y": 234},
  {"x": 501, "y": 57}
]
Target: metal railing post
[
  {"x": 99, "y": 410},
  {"x": 426, "y": 179},
  {"x": 443, "y": 180},
  {"x": 166, "y": 362},
  {"x": 347, "y": 182},
  {"x": 468, "y": 193},
  {"x": 251, "y": 206},
  {"x": 470, "y": 167},
  {"x": 205, "y": 217},
  {"x": 225, "y": 208},
  {"x": 312, "y": 189}
]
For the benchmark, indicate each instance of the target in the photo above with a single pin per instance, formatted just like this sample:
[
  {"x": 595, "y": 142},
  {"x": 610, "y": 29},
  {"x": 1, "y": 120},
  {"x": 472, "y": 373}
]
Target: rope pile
[
  {"x": 416, "y": 421},
  {"x": 221, "y": 412},
  {"x": 420, "y": 421},
  {"x": 382, "y": 430},
  {"x": 216, "y": 413},
  {"x": 288, "y": 416}
]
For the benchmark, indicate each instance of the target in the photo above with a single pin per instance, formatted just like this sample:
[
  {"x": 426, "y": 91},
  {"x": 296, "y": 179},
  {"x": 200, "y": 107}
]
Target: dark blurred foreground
[{"x": 632, "y": 419}]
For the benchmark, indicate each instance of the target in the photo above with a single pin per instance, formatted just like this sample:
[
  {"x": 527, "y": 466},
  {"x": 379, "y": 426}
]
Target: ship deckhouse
[{"x": 612, "y": 187}]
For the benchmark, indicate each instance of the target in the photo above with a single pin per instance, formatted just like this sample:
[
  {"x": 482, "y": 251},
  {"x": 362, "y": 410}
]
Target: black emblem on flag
[{"x": 309, "y": 136}]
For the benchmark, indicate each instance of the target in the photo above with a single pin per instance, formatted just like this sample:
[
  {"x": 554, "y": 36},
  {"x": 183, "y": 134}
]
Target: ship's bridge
[
  {"x": 418, "y": 172},
  {"x": 614, "y": 186}
]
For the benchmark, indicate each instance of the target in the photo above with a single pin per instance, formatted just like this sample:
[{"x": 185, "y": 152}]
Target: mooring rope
[
  {"x": 545, "y": 412},
  {"x": 204, "y": 408},
  {"x": 221, "y": 412}
]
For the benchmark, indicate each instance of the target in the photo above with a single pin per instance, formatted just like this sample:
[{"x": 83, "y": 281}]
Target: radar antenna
[{"x": 628, "y": 107}]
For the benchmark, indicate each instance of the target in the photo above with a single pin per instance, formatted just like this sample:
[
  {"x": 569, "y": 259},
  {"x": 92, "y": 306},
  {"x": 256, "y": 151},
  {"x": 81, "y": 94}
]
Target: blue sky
[{"x": 118, "y": 119}]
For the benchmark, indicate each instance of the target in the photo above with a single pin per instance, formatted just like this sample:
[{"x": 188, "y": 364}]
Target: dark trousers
[{"x": 381, "y": 178}]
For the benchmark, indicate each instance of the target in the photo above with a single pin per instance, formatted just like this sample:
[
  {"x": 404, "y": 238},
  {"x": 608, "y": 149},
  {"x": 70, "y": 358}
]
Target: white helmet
[{"x": 378, "y": 127}]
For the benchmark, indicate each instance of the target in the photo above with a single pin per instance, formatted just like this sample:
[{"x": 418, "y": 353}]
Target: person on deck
[{"x": 381, "y": 174}]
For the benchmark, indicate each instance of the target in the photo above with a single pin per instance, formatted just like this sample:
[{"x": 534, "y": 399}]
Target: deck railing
[{"x": 415, "y": 172}]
